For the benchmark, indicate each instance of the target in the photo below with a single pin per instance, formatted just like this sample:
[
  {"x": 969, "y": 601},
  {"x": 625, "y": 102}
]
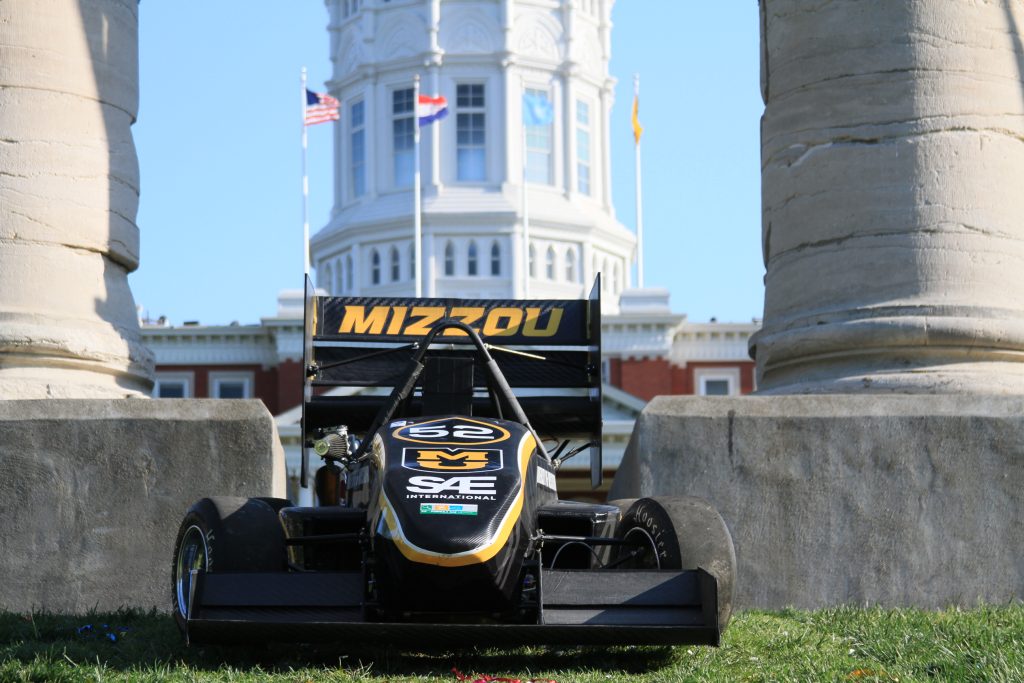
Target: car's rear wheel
[
  {"x": 678, "y": 533},
  {"x": 224, "y": 534}
]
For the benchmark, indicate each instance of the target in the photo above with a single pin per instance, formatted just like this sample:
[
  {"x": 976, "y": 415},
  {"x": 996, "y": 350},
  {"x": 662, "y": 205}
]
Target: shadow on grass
[{"x": 135, "y": 641}]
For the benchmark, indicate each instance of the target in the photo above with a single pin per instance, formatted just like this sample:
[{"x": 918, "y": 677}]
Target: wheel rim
[
  {"x": 644, "y": 548},
  {"x": 192, "y": 555}
]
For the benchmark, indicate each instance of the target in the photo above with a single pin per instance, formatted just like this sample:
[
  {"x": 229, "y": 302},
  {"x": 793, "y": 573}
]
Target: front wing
[{"x": 577, "y": 607}]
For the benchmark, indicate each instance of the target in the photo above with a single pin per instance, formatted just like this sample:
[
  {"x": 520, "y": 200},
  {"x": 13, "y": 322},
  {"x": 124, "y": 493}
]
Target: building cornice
[{"x": 182, "y": 348}]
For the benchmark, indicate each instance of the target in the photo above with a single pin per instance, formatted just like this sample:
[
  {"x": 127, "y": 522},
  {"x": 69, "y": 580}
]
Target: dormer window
[
  {"x": 471, "y": 261},
  {"x": 449, "y": 259},
  {"x": 495, "y": 259}
]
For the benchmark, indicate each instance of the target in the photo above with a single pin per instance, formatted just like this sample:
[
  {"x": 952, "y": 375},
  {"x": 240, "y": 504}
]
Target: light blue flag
[{"x": 537, "y": 110}]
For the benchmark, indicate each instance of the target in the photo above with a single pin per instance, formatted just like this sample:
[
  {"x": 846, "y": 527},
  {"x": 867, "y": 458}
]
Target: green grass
[{"x": 982, "y": 644}]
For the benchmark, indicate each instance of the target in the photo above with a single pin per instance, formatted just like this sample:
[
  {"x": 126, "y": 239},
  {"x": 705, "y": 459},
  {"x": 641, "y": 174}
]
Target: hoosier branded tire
[
  {"x": 225, "y": 534},
  {"x": 680, "y": 533}
]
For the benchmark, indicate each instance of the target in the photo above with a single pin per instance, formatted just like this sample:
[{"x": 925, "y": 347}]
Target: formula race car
[{"x": 437, "y": 517}]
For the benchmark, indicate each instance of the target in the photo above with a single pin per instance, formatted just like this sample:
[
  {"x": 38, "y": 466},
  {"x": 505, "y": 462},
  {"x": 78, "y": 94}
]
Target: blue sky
[{"x": 218, "y": 138}]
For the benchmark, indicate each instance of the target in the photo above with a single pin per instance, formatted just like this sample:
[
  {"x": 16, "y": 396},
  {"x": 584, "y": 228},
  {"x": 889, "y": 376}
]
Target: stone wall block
[
  {"x": 848, "y": 499},
  {"x": 92, "y": 492}
]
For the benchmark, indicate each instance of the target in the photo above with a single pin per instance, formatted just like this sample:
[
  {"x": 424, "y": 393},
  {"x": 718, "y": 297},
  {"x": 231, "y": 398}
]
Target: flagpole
[
  {"x": 639, "y": 198},
  {"x": 639, "y": 181},
  {"x": 305, "y": 183},
  {"x": 526, "y": 201},
  {"x": 416, "y": 221}
]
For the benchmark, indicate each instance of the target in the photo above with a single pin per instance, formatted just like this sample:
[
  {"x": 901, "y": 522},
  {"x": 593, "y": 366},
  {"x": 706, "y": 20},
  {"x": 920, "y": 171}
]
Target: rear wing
[{"x": 356, "y": 349}]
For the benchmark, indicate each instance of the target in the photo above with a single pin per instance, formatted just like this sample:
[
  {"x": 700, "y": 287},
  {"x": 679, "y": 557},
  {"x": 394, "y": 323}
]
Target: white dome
[{"x": 481, "y": 55}]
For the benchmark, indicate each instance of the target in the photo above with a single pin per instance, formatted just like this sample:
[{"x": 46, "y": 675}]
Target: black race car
[{"x": 438, "y": 519}]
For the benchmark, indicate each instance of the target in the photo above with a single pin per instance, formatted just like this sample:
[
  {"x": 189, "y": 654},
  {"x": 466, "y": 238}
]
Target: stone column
[
  {"x": 69, "y": 188},
  {"x": 892, "y": 152}
]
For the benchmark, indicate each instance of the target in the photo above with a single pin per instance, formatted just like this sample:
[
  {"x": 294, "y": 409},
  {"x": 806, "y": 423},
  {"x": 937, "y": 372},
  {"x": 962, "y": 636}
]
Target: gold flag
[{"x": 638, "y": 130}]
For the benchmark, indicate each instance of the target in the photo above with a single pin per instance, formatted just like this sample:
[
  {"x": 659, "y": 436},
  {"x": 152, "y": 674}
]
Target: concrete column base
[
  {"x": 92, "y": 492},
  {"x": 849, "y": 499}
]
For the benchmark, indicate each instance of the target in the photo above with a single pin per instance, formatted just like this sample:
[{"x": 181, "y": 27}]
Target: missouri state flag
[{"x": 430, "y": 109}]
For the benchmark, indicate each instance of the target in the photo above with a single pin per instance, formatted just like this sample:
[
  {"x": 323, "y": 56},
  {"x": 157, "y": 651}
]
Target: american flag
[{"x": 320, "y": 107}]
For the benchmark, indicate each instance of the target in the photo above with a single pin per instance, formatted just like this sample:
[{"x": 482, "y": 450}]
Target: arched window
[
  {"x": 533, "y": 261},
  {"x": 412, "y": 261},
  {"x": 606, "y": 283},
  {"x": 326, "y": 277},
  {"x": 349, "y": 276},
  {"x": 495, "y": 259},
  {"x": 396, "y": 265},
  {"x": 570, "y": 265},
  {"x": 471, "y": 260},
  {"x": 375, "y": 267},
  {"x": 550, "y": 265},
  {"x": 449, "y": 259},
  {"x": 339, "y": 276},
  {"x": 616, "y": 285}
]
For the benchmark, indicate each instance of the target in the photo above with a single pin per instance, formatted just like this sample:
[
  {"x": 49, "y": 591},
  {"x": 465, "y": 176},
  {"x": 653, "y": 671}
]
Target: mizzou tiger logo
[{"x": 451, "y": 459}]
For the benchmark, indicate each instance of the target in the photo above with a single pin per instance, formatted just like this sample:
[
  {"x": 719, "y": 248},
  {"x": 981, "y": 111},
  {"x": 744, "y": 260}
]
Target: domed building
[{"x": 481, "y": 237}]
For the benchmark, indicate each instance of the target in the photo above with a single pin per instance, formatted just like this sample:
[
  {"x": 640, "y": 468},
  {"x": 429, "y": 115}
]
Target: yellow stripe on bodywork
[{"x": 479, "y": 554}]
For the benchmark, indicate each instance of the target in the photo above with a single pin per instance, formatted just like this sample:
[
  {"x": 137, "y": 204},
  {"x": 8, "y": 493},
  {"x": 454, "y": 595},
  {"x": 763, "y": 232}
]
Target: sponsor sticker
[
  {"x": 546, "y": 479},
  {"x": 531, "y": 323},
  {"x": 464, "y": 486},
  {"x": 447, "y": 509}
]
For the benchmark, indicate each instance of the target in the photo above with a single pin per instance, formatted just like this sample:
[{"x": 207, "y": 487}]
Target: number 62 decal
[{"x": 452, "y": 431}]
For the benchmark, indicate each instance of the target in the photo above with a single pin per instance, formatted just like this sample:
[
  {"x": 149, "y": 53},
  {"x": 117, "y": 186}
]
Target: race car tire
[
  {"x": 224, "y": 534},
  {"x": 686, "y": 533}
]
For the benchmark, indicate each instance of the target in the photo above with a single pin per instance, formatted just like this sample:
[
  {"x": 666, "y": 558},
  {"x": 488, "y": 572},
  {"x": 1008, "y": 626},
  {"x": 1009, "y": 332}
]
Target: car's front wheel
[
  {"x": 224, "y": 534},
  {"x": 678, "y": 533}
]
